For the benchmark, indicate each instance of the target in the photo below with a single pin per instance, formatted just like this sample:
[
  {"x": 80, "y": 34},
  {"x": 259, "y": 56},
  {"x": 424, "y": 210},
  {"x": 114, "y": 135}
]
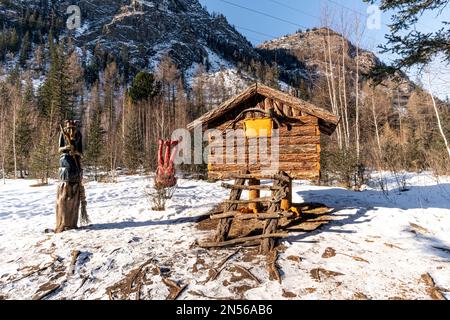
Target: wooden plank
[
  {"x": 285, "y": 157},
  {"x": 224, "y": 225},
  {"x": 268, "y": 104},
  {"x": 267, "y": 161},
  {"x": 296, "y": 113},
  {"x": 297, "y": 121},
  {"x": 287, "y": 110},
  {"x": 282, "y": 141},
  {"x": 241, "y": 240},
  {"x": 274, "y": 176},
  {"x": 264, "y": 216},
  {"x": 312, "y": 157},
  {"x": 260, "y": 200},
  {"x": 296, "y": 149},
  {"x": 240, "y": 216},
  {"x": 297, "y": 130},
  {"x": 296, "y": 175},
  {"x": 258, "y": 187},
  {"x": 298, "y": 103},
  {"x": 278, "y": 107},
  {"x": 283, "y": 166}
]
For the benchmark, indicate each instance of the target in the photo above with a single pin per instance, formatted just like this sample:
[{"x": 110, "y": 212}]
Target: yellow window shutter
[{"x": 255, "y": 128}]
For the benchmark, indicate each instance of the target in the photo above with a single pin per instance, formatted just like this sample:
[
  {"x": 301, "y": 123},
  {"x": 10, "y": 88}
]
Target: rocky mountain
[
  {"x": 138, "y": 33},
  {"x": 145, "y": 29},
  {"x": 315, "y": 47}
]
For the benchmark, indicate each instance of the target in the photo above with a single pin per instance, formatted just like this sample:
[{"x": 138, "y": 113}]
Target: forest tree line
[{"x": 122, "y": 119}]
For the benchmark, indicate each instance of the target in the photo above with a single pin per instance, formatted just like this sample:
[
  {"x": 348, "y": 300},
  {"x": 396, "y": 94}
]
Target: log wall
[{"x": 299, "y": 146}]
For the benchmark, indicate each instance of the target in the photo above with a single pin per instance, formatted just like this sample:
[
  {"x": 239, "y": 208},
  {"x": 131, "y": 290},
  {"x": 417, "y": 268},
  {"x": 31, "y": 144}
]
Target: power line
[
  {"x": 294, "y": 9},
  {"x": 366, "y": 15},
  {"x": 277, "y": 18},
  {"x": 257, "y": 32},
  {"x": 313, "y": 16},
  {"x": 263, "y": 13}
]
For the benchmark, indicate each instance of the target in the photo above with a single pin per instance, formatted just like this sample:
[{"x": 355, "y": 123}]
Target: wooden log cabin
[{"x": 299, "y": 123}]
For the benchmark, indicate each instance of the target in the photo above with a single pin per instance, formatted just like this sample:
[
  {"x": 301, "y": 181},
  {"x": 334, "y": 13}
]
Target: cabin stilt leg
[
  {"x": 286, "y": 203},
  {"x": 254, "y": 194},
  {"x": 268, "y": 244},
  {"x": 223, "y": 228}
]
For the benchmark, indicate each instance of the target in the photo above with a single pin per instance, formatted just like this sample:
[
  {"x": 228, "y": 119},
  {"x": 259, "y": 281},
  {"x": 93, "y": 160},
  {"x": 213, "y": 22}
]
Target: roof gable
[{"x": 327, "y": 120}]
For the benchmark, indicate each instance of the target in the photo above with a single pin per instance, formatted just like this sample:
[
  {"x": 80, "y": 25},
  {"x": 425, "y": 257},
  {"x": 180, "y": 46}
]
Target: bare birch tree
[{"x": 436, "y": 109}]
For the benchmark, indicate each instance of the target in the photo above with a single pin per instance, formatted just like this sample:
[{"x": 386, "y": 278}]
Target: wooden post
[
  {"x": 254, "y": 194},
  {"x": 271, "y": 225},
  {"x": 286, "y": 204},
  {"x": 224, "y": 225}
]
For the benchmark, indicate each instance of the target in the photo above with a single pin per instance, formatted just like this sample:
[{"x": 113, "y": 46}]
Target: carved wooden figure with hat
[{"x": 71, "y": 193}]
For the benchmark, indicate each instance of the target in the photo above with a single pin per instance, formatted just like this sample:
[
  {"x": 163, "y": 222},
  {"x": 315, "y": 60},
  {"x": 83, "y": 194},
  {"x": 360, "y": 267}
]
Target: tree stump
[{"x": 67, "y": 206}]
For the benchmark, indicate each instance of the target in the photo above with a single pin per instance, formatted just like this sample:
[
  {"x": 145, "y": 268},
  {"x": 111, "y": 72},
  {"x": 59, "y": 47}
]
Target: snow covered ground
[{"x": 373, "y": 246}]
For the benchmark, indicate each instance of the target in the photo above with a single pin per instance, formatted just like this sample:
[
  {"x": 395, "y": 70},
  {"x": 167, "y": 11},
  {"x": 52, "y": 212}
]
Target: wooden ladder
[{"x": 280, "y": 190}]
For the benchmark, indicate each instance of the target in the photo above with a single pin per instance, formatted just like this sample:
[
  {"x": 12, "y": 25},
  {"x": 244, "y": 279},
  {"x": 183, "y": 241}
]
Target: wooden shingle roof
[{"x": 327, "y": 121}]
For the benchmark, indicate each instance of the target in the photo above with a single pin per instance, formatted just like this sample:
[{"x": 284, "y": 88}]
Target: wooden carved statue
[{"x": 71, "y": 192}]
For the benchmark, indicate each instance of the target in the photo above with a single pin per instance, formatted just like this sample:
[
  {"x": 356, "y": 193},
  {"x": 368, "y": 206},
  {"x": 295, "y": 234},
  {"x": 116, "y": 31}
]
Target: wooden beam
[
  {"x": 260, "y": 216},
  {"x": 259, "y": 200},
  {"x": 260, "y": 176},
  {"x": 242, "y": 240},
  {"x": 268, "y": 104},
  {"x": 255, "y": 187},
  {"x": 254, "y": 194},
  {"x": 298, "y": 104}
]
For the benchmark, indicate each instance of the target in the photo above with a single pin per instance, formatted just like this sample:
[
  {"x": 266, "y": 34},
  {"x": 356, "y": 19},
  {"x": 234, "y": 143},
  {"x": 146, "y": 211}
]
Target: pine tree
[
  {"x": 413, "y": 48},
  {"x": 25, "y": 49},
  {"x": 24, "y": 130},
  {"x": 133, "y": 149},
  {"x": 143, "y": 87},
  {"x": 56, "y": 90},
  {"x": 43, "y": 155},
  {"x": 94, "y": 152}
]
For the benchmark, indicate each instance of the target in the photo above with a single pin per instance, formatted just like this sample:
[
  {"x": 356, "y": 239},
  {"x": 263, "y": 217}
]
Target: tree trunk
[
  {"x": 358, "y": 147},
  {"x": 2, "y": 140},
  {"x": 375, "y": 120},
  {"x": 67, "y": 206},
  {"x": 436, "y": 110},
  {"x": 14, "y": 139}
]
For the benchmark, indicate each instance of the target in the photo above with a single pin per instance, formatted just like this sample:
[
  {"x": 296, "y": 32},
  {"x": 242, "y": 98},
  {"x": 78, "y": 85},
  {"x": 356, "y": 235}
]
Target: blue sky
[{"x": 280, "y": 17}]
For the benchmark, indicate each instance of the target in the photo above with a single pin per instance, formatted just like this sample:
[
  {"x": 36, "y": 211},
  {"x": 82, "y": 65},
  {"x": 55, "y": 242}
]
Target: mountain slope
[
  {"x": 314, "y": 48},
  {"x": 145, "y": 29}
]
